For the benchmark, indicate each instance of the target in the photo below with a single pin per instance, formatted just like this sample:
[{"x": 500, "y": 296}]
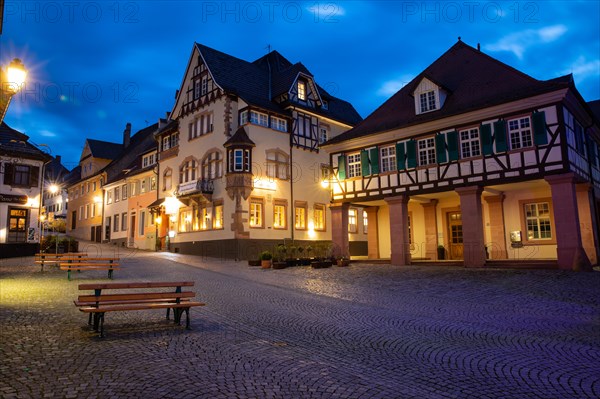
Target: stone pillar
[
  {"x": 431, "y": 232},
  {"x": 399, "y": 230},
  {"x": 589, "y": 240},
  {"x": 472, "y": 226},
  {"x": 339, "y": 228},
  {"x": 571, "y": 255},
  {"x": 373, "y": 232},
  {"x": 498, "y": 234}
]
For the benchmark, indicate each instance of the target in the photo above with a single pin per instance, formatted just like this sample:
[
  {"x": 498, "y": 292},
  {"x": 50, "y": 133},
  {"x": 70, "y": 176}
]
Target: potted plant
[
  {"x": 291, "y": 255},
  {"x": 343, "y": 261},
  {"x": 441, "y": 252},
  {"x": 265, "y": 259},
  {"x": 279, "y": 258}
]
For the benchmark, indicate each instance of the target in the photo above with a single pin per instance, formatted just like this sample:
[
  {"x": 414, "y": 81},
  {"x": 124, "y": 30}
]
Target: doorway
[
  {"x": 132, "y": 231},
  {"x": 455, "y": 235}
]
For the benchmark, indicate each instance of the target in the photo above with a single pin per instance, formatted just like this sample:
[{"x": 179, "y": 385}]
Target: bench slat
[
  {"x": 117, "y": 308},
  {"x": 72, "y": 266},
  {"x": 148, "y": 284},
  {"x": 93, "y": 303},
  {"x": 136, "y": 295}
]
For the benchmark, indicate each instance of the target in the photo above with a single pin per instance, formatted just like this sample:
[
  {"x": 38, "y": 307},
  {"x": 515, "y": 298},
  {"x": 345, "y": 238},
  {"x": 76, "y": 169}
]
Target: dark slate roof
[
  {"x": 55, "y": 171},
  {"x": 473, "y": 81},
  {"x": 166, "y": 126},
  {"x": 72, "y": 177},
  {"x": 239, "y": 137},
  {"x": 595, "y": 107},
  {"x": 250, "y": 81},
  {"x": 104, "y": 149},
  {"x": 130, "y": 157},
  {"x": 16, "y": 144}
]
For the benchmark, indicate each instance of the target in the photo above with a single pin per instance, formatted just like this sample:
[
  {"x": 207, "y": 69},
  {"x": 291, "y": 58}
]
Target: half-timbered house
[
  {"x": 474, "y": 160},
  {"x": 240, "y": 162}
]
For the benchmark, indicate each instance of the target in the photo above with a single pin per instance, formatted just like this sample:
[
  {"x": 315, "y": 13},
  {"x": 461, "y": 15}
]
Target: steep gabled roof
[
  {"x": 131, "y": 155},
  {"x": 595, "y": 107},
  {"x": 55, "y": 171},
  {"x": 15, "y": 143},
  {"x": 250, "y": 81},
  {"x": 239, "y": 137},
  {"x": 474, "y": 81},
  {"x": 104, "y": 149}
]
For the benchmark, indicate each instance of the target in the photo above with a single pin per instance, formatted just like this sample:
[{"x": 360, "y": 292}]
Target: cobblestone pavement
[{"x": 365, "y": 331}]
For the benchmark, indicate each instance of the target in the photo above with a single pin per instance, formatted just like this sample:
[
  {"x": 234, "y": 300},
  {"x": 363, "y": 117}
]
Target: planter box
[
  {"x": 254, "y": 263},
  {"x": 279, "y": 265}
]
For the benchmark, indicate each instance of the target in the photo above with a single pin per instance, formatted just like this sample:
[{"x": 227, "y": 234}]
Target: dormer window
[
  {"x": 301, "y": 90},
  {"x": 427, "y": 101}
]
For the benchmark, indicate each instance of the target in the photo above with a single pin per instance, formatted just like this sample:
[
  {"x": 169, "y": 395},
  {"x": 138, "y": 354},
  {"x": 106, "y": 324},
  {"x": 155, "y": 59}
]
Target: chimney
[
  {"x": 127, "y": 135},
  {"x": 478, "y": 47}
]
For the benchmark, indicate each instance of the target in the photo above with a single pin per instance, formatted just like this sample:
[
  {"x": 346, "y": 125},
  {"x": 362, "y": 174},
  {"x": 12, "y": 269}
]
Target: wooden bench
[
  {"x": 43, "y": 258},
  {"x": 135, "y": 296},
  {"x": 87, "y": 263}
]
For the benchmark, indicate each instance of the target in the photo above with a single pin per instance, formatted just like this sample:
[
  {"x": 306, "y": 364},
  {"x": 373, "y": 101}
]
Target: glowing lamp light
[
  {"x": 311, "y": 229},
  {"x": 171, "y": 233},
  {"x": 158, "y": 220},
  {"x": 325, "y": 183},
  {"x": 53, "y": 188},
  {"x": 97, "y": 199},
  {"x": 172, "y": 205},
  {"x": 16, "y": 75}
]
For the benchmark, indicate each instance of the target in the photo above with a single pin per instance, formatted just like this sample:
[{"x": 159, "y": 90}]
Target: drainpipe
[{"x": 293, "y": 209}]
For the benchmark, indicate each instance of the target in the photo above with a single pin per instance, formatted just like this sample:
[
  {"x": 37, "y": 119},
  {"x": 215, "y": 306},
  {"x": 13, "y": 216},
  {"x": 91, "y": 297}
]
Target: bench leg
[
  {"x": 168, "y": 313},
  {"x": 177, "y": 315},
  {"x": 101, "y": 317},
  {"x": 69, "y": 274},
  {"x": 90, "y": 320},
  {"x": 187, "y": 318},
  {"x": 110, "y": 273}
]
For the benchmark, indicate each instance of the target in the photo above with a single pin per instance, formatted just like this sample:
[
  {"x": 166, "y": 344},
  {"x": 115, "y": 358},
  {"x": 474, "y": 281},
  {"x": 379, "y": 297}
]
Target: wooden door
[{"x": 455, "y": 235}]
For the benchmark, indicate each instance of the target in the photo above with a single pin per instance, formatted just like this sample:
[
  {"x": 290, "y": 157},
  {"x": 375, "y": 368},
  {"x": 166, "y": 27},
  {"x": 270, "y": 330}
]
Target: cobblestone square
[{"x": 364, "y": 331}]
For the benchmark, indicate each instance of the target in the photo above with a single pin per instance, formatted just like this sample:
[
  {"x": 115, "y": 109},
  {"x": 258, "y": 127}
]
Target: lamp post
[
  {"x": 11, "y": 82},
  {"x": 42, "y": 220}
]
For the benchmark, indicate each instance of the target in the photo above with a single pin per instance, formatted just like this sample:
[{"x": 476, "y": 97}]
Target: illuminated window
[
  {"x": 319, "y": 217},
  {"x": 256, "y": 213},
  {"x": 218, "y": 220},
  {"x": 185, "y": 220},
  {"x": 365, "y": 222},
  {"x": 352, "y": 220},
  {"x": 109, "y": 197},
  {"x": 279, "y": 215},
  {"x": 301, "y": 90},
  {"x": 300, "y": 211},
  {"x": 537, "y": 221}
]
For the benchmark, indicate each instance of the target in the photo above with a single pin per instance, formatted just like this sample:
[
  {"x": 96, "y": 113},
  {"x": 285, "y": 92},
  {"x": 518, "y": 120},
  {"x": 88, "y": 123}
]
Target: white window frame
[
  {"x": 426, "y": 151},
  {"x": 353, "y": 167},
  {"x": 520, "y": 132},
  {"x": 387, "y": 158},
  {"x": 532, "y": 214},
  {"x": 258, "y": 118},
  {"x": 470, "y": 145},
  {"x": 352, "y": 220},
  {"x": 256, "y": 213},
  {"x": 427, "y": 101},
  {"x": 279, "y": 124},
  {"x": 301, "y": 90},
  {"x": 323, "y": 134}
]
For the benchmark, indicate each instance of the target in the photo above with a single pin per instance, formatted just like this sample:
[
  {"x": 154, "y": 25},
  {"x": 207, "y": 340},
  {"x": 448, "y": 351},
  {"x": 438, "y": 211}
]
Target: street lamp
[{"x": 11, "y": 81}]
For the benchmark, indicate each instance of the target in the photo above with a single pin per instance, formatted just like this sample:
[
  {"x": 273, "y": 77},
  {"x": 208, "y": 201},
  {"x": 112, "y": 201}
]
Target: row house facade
[
  {"x": 240, "y": 165},
  {"x": 127, "y": 219},
  {"x": 55, "y": 197},
  {"x": 21, "y": 170},
  {"x": 473, "y": 160}
]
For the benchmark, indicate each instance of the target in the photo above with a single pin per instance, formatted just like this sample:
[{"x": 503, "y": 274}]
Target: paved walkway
[{"x": 366, "y": 331}]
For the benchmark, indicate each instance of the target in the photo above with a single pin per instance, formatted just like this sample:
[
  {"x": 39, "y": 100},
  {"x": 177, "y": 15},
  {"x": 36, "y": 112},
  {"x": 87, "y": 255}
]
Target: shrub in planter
[{"x": 266, "y": 257}]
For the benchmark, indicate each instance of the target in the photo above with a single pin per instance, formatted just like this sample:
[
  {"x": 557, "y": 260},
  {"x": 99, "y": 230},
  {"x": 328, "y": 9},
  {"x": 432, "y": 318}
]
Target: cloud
[
  {"x": 47, "y": 133},
  {"x": 518, "y": 42},
  {"x": 390, "y": 87},
  {"x": 582, "y": 68}
]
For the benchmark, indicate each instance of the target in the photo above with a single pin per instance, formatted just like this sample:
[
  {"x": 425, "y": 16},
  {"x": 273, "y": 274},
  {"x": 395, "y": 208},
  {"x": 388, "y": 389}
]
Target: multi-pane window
[
  {"x": 243, "y": 117},
  {"x": 388, "y": 158},
  {"x": 256, "y": 213},
  {"x": 520, "y": 133},
  {"x": 427, "y": 101},
  {"x": 142, "y": 225},
  {"x": 196, "y": 89},
  {"x": 148, "y": 160},
  {"x": 279, "y": 216},
  {"x": 212, "y": 166},
  {"x": 354, "y": 169},
  {"x": 117, "y": 194},
  {"x": 303, "y": 123},
  {"x": 365, "y": 222},
  {"x": 116, "y": 223},
  {"x": 185, "y": 220},
  {"x": 277, "y": 165},
  {"x": 167, "y": 180},
  {"x": 109, "y": 197},
  {"x": 239, "y": 160},
  {"x": 319, "y": 217},
  {"x": 323, "y": 134},
  {"x": 143, "y": 186},
  {"x": 124, "y": 221},
  {"x": 537, "y": 221},
  {"x": 575, "y": 133},
  {"x": 469, "y": 143},
  {"x": 259, "y": 118},
  {"x": 203, "y": 124},
  {"x": 124, "y": 191},
  {"x": 300, "y": 215},
  {"x": 352, "y": 220},
  {"x": 187, "y": 171},
  {"x": 218, "y": 220},
  {"x": 426, "y": 149},
  {"x": 301, "y": 90},
  {"x": 21, "y": 175},
  {"x": 204, "y": 217},
  {"x": 17, "y": 225},
  {"x": 279, "y": 124},
  {"x": 204, "y": 85},
  {"x": 153, "y": 183}
]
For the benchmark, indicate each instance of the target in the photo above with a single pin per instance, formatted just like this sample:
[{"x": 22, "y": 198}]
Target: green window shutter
[
  {"x": 411, "y": 154},
  {"x": 440, "y": 148},
  {"x": 539, "y": 128},
  {"x": 400, "y": 156},
  {"x": 364, "y": 163},
  {"x": 374, "y": 156},
  {"x": 452, "y": 138},
  {"x": 500, "y": 136},
  {"x": 486, "y": 139},
  {"x": 341, "y": 167}
]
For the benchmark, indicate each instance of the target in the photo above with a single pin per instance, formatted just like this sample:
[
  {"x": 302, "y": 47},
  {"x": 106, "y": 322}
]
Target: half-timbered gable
[{"x": 471, "y": 136}]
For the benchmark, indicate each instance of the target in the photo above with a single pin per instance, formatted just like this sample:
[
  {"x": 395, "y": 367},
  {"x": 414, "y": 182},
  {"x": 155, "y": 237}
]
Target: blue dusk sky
[{"x": 96, "y": 65}]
